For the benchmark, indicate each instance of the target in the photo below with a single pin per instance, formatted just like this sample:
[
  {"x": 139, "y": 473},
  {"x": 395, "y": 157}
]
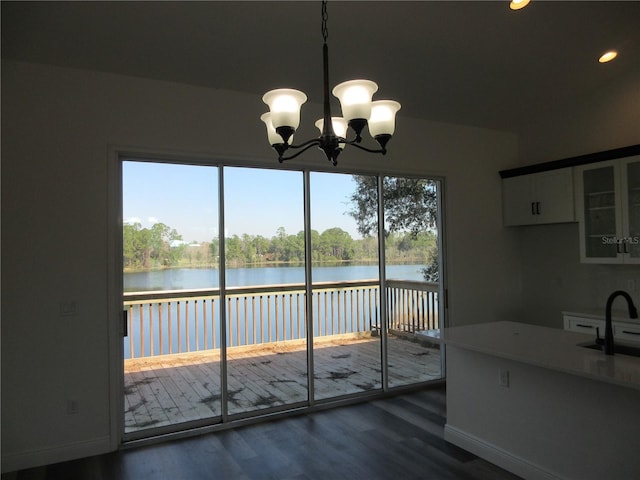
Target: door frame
[{"x": 115, "y": 290}]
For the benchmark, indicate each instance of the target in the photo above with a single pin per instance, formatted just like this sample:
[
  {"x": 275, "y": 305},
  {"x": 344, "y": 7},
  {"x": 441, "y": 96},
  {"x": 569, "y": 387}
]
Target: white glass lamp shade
[
  {"x": 355, "y": 98},
  {"x": 383, "y": 117},
  {"x": 339, "y": 127},
  {"x": 284, "y": 106},
  {"x": 273, "y": 136}
]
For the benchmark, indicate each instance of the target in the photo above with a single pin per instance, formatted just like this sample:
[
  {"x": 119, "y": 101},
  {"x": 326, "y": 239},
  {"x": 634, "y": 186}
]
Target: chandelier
[{"x": 358, "y": 111}]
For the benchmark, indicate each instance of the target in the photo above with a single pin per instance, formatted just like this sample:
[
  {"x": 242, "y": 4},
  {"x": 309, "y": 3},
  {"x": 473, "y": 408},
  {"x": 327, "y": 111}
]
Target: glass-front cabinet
[
  {"x": 608, "y": 203},
  {"x": 632, "y": 202}
]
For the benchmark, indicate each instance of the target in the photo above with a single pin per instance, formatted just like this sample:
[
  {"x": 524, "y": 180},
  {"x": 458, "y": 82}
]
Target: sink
[{"x": 617, "y": 349}]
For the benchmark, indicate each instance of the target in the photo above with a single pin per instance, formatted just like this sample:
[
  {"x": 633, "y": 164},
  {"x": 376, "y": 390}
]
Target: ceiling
[{"x": 474, "y": 63}]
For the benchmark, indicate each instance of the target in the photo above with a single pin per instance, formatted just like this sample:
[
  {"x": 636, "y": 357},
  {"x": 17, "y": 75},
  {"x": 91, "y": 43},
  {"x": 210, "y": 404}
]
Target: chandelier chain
[{"x": 325, "y": 16}]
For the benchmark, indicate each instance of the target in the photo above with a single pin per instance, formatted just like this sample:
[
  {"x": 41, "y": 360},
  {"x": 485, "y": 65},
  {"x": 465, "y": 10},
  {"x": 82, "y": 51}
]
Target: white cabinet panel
[
  {"x": 583, "y": 325},
  {"x": 538, "y": 198},
  {"x": 624, "y": 331}
]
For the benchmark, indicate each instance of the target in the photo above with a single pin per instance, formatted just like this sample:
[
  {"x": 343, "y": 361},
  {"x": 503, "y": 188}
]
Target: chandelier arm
[
  {"x": 356, "y": 143},
  {"x": 304, "y": 146},
  {"x": 353, "y": 143},
  {"x": 307, "y": 144}
]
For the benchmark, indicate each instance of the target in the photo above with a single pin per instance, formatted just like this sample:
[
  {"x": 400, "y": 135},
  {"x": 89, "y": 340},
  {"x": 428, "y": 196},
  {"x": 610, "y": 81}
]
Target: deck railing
[{"x": 165, "y": 322}]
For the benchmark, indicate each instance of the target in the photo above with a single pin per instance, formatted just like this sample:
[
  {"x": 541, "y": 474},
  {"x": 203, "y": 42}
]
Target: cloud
[
  {"x": 132, "y": 220},
  {"x": 153, "y": 220}
]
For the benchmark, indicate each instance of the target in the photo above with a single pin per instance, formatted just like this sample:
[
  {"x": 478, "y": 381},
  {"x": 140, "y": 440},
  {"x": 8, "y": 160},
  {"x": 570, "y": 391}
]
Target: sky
[{"x": 257, "y": 201}]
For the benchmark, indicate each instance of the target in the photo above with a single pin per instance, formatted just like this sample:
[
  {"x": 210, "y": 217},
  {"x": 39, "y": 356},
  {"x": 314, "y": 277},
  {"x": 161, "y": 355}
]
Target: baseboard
[
  {"x": 496, "y": 455},
  {"x": 61, "y": 453}
]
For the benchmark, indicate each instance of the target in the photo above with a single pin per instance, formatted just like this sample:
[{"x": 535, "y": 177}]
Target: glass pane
[
  {"x": 172, "y": 351},
  {"x": 633, "y": 182},
  {"x": 412, "y": 273},
  {"x": 264, "y": 246},
  {"x": 345, "y": 273},
  {"x": 600, "y": 213}
]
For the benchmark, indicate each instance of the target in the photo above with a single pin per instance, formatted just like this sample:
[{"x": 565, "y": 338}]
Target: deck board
[{"x": 175, "y": 388}]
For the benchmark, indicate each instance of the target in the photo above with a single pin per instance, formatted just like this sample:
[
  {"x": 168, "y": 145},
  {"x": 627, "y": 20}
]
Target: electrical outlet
[
  {"x": 68, "y": 308},
  {"x": 631, "y": 285},
  {"x": 503, "y": 378},
  {"x": 73, "y": 406}
]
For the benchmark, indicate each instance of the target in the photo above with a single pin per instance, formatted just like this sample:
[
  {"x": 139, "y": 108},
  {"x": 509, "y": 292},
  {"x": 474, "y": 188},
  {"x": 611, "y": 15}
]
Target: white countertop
[{"x": 546, "y": 347}]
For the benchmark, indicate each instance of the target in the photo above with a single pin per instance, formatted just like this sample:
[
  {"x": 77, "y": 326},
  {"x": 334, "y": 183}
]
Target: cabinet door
[
  {"x": 599, "y": 213},
  {"x": 631, "y": 201},
  {"x": 518, "y": 206},
  {"x": 554, "y": 196},
  {"x": 583, "y": 325},
  {"x": 626, "y": 331},
  {"x": 545, "y": 197}
]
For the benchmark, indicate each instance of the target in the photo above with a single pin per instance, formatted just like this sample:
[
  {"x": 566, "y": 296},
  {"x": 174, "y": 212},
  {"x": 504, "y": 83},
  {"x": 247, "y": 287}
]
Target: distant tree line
[{"x": 162, "y": 247}]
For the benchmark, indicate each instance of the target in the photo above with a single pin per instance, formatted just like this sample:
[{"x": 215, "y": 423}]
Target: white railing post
[{"x": 351, "y": 307}]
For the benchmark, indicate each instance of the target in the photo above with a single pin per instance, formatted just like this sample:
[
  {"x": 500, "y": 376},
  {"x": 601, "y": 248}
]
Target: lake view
[{"x": 192, "y": 278}]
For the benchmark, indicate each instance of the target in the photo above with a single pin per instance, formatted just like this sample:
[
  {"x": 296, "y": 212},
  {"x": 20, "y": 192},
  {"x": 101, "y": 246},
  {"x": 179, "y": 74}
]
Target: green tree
[
  {"x": 233, "y": 250},
  {"x": 410, "y": 205},
  {"x": 261, "y": 246},
  {"x": 337, "y": 244},
  {"x": 248, "y": 249},
  {"x": 130, "y": 245},
  {"x": 214, "y": 249},
  {"x": 165, "y": 245},
  {"x": 145, "y": 248}
]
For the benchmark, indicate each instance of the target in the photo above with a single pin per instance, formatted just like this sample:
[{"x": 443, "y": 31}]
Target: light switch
[
  {"x": 503, "y": 377},
  {"x": 68, "y": 308}
]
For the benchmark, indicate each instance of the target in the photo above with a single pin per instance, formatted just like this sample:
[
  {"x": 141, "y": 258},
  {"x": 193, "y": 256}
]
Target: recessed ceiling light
[
  {"x": 518, "y": 4},
  {"x": 608, "y": 56}
]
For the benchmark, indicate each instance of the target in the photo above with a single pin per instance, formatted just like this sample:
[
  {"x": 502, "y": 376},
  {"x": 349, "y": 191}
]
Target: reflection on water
[{"x": 191, "y": 278}]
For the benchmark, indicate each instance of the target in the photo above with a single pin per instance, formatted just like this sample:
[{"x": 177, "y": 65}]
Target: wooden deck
[{"x": 170, "y": 389}]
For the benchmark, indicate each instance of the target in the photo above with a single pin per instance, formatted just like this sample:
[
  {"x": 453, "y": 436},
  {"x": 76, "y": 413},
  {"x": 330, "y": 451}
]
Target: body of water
[{"x": 193, "y": 278}]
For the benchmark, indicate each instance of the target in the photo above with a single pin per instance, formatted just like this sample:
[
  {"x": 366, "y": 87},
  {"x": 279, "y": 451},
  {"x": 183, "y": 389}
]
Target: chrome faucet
[{"x": 608, "y": 329}]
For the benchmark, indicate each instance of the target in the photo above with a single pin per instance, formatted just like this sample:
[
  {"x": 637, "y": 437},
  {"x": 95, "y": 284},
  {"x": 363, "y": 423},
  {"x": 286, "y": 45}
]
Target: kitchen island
[{"x": 530, "y": 399}]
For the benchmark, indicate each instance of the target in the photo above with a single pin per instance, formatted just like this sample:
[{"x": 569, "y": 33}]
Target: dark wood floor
[{"x": 394, "y": 438}]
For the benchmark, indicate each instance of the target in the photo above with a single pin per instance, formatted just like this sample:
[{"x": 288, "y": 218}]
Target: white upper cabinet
[
  {"x": 608, "y": 209},
  {"x": 538, "y": 198}
]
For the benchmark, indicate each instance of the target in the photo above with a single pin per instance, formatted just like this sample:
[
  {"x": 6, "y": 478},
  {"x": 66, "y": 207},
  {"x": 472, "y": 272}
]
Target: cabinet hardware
[
  {"x": 583, "y": 326},
  {"x": 125, "y": 323},
  {"x": 535, "y": 208},
  {"x": 630, "y": 333}
]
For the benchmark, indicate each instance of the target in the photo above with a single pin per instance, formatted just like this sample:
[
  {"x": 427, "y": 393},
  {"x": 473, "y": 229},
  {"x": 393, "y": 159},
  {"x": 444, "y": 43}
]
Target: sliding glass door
[
  {"x": 171, "y": 295},
  {"x": 345, "y": 291},
  {"x": 412, "y": 273},
  {"x": 251, "y": 291},
  {"x": 264, "y": 271}
]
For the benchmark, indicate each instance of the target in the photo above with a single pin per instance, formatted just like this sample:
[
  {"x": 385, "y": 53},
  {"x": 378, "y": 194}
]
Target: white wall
[
  {"x": 603, "y": 119},
  {"x": 553, "y": 278},
  {"x": 58, "y": 126},
  {"x": 546, "y": 424}
]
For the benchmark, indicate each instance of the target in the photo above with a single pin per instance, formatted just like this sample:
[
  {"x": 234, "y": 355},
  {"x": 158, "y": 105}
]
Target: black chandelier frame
[{"x": 328, "y": 141}]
